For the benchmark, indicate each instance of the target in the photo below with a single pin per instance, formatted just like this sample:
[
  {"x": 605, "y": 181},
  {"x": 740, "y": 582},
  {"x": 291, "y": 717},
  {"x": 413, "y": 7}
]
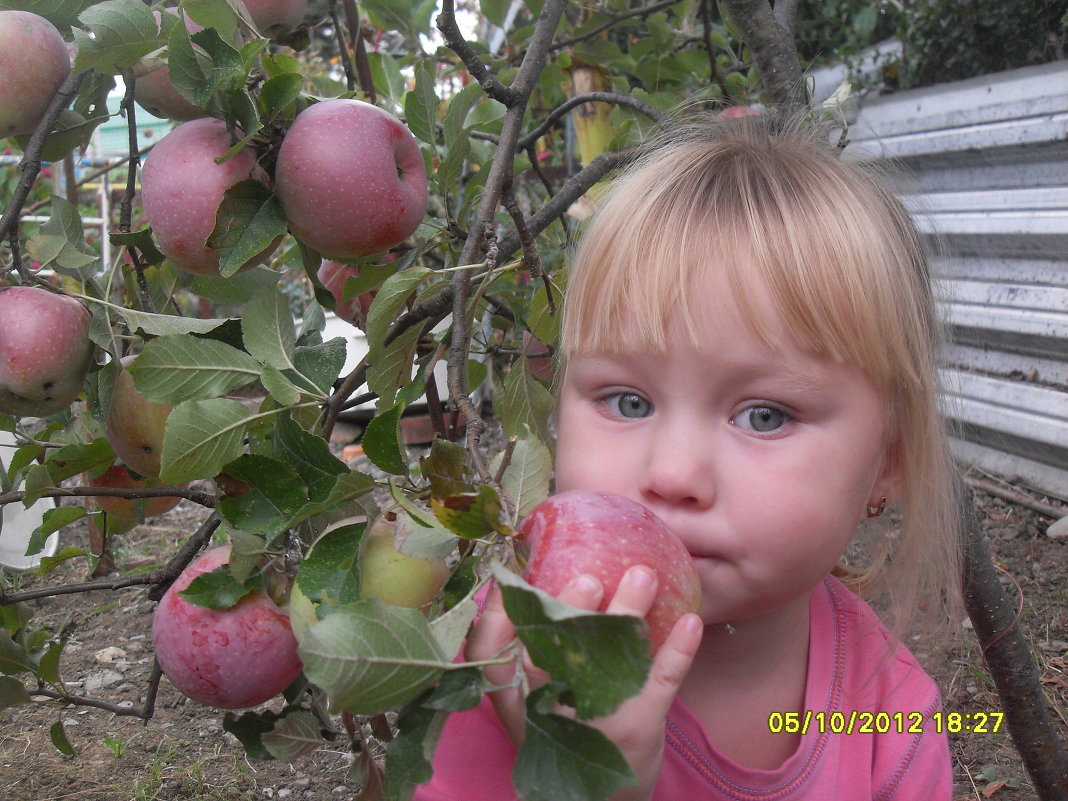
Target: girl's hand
[{"x": 637, "y": 727}]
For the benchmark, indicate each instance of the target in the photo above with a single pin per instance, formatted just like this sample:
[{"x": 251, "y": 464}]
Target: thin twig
[
  {"x": 615, "y": 98},
  {"x": 126, "y": 204},
  {"x": 196, "y": 496}
]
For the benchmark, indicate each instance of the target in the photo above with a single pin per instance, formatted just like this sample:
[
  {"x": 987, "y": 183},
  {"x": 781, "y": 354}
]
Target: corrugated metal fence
[{"x": 986, "y": 174}]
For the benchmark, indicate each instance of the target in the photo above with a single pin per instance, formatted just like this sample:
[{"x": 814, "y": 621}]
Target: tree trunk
[{"x": 1008, "y": 655}]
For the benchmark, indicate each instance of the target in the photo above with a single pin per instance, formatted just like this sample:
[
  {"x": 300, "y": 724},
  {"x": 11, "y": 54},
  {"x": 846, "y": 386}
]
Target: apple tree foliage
[{"x": 520, "y": 110}]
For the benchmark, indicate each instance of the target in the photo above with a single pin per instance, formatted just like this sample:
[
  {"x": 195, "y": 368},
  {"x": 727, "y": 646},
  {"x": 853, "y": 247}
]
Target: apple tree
[{"x": 421, "y": 173}]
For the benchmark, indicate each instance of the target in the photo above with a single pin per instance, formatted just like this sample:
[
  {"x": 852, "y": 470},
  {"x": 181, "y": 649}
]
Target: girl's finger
[
  {"x": 673, "y": 661},
  {"x": 635, "y": 593}
]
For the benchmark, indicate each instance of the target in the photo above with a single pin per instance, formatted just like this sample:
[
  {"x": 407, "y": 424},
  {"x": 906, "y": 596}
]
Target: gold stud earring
[{"x": 875, "y": 511}]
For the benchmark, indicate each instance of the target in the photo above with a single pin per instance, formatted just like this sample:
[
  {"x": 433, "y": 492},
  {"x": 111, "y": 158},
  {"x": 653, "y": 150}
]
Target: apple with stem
[
  {"x": 350, "y": 179},
  {"x": 45, "y": 351},
  {"x": 135, "y": 425},
  {"x": 601, "y": 534},
  {"x": 156, "y": 93},
  {"x": 34, "y": 62},
  {"x": 227, "y": 658},
  {"x": 182, "y": 187}
]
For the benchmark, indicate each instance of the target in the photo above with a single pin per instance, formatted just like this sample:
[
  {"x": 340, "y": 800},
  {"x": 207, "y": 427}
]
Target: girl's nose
[{"x": 679, "y": 470}]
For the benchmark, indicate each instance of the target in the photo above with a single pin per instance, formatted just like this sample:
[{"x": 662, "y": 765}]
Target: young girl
[{"x": 749, "y": 350}]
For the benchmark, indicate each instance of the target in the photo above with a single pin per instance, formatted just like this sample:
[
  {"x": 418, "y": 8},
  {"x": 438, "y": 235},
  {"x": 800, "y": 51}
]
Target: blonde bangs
[{"x": 757, "y": 212}]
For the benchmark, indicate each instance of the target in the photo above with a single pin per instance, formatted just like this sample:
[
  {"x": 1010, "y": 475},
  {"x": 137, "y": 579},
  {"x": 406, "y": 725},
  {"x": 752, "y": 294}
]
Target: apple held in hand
[
  {"x": 155, "y": 92},
  {"x": 45, "y": 350},
  {"x": 182, "y": 187},
  {"x": 350, "y": 179},
  {"x": 230, "y": 658},
  {"x": 135, "y": 425},
  {"x": 601, "y": 534},
  {"x": 34, "y": 62}
]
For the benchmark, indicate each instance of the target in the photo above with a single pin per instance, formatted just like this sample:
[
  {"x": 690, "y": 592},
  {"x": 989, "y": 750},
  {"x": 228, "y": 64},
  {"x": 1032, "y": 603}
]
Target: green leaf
[
  {"x": 61, "y": 13},
  {"x": 284, "y": 391},
  {"x": 218, "y": 589},
  {"x": 160, "y": 324},
  {"x": 347, "y": 488},
  {"x": 267, "y": 328},
  {"x": 421, "y": 104},
  {"x": 330, "y": 574},
  {"x": 249, "y": 729},
  {"x": 524, "y": 404},
  {"x": 293, "y": 736},
  {"x": 237, "y": 289},
  {"x": 48, "y": 666},
  {"x": 49, "y": 563},
  {"x": 382, "y": 442},
  {"x": 389, "y": 301},
  {"x": 564, "y": 760},
  {"x": 603, "y": 659},
  {"x": 472, "y": 515},
  {"x": 13, "y": 657},
  {"x": 391, "y": 368},
  {"x": 140, "y": 240},
  {"x": 318, "y": 366},
  {"x": 309, "y": 455},
  {"x": 181, "y": 367},
  {"x": 370, "y": 656},
  {"x": 12, "y": 693},
  {"x": 248, "y": 223},
  {"x": 278, "y": 92},
  {"x": 202, "y": 436},
  {"x": 59, "y": 739},
  {"x": 526, "y": 478},
  {"x": 271, "y": 493},
  {"x": 123, "y": 31},
  {"x": 213, "y": 14},
  {"x": 452, "y": 628},
  {"x": 60, "y": 243},
  {"x": 458, "y": 690},
  {"x": 445, "y": 468},
  {"x": 70, "y": 460},
  {"x": 54, "y": 520}
]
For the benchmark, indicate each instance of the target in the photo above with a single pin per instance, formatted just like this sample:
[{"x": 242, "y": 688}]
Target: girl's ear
[{"x": 891, "y": 481}]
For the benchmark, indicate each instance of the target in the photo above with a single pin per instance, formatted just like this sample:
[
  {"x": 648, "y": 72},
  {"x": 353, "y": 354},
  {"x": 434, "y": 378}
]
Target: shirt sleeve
[{"x": 473, "y": 760}]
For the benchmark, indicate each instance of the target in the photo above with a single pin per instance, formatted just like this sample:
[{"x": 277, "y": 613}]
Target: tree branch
[
  {"x": 1012, "y": 668},
  {"x": 650, "y": 111},
  {"x": 197, "y": 496},
  {"x": 774, "y": 51}
]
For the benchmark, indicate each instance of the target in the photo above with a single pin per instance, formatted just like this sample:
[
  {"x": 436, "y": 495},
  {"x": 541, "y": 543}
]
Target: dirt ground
[{"x": 183, "y": 752}]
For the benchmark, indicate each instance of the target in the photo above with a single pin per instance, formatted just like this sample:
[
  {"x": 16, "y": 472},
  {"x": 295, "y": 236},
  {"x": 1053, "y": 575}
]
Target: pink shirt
[{"x": 850, "y": 670}]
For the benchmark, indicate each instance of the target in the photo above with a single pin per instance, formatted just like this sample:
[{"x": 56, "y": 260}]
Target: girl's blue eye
[
  {"x": 629, "y": 405},
  {"x": 762, "y": 419}
]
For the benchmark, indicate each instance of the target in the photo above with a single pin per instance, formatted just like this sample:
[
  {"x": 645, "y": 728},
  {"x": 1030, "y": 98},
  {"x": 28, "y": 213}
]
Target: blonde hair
[{"x": 770, "y": 202}]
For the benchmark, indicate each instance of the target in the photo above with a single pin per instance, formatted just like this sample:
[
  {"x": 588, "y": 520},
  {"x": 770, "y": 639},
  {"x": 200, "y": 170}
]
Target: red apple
[
  {"x": 275, "y": 17},
  {"x": 135, "y": 425},
  {"x": 350, "y": 179},
  {"x": 584, "y": 531},
  {"x": 333, "y": 275},
  {"x": 34, "y": 62},
  {"x": 232, "y": 658},
  {"x": 45, "y": 350},
  {"x": 155, "y": 92},
  {"x": 182, "y": 187},
  {"x": 122, "y": 510}
]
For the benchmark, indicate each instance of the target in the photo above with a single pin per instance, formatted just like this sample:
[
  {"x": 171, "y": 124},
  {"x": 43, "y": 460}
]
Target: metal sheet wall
[{"x": 985, "y": 171}]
